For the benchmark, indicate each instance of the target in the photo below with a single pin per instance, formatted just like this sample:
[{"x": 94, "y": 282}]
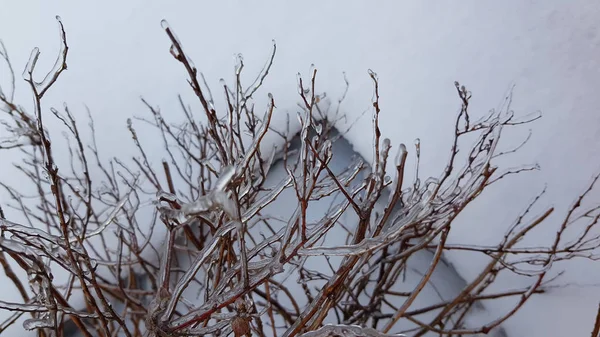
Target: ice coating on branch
[
  {"x": 6, "y": 225},
  {"x": 385, "y": 150},
  {"x": 164, "y": 24},
  {"x": 239, "y": 63},
  {"x": 20, "y": 137},
  {"x": 418, "y": 143},
  {"x": 218, "y": 198},
  {"x": 299, "y": 116},
  {"x": 197, "y": 264},
  {"x": 300, "y": 84},
  {"x": 16, "y": 247},
  {"x": 219, "y": 327},
  {"x": 118, "y": 207},
  {"x": 22, "y": 307},
  {"x": 59, "y": 64},
  {"x": 224, "y": 179},
  {"x": 176, "y": 45},
  {"x": 319, "y": 129},
  {"x": 167, "y": 196},
  {"x": 173, "y": 50},
  {"x": 220, "y": 297},
  {"x": 266, "y": 199},
  {"x": 417, "y": 213},
  {"x": 38, "y": 323},
  {"x": 386, "y": 143},
  {"x": 33, "y": 57},
  {"x": 201, "y": 205},
  {"x": 401, "y": 155},
  {"x": 372, "y": 74},
  {"x": 341, "y": 330},
  {"x": 227, "y": 204}
]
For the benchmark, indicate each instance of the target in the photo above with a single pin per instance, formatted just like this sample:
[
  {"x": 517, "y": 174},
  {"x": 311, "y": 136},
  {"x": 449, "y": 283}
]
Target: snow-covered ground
[{"x": 547, "y": 49}]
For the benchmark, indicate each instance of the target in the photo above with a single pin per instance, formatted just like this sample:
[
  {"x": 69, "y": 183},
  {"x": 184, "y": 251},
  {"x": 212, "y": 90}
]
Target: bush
[{"x": 217, "y": 265}]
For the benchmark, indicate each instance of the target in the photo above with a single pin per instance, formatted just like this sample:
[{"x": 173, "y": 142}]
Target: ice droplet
[
  {"x": 164, "y": 24},
  {"x": 400, "y": 155}
]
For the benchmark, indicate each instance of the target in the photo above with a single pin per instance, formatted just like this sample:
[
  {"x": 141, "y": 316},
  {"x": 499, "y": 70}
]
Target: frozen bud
[{"x": 241, "y": 326}]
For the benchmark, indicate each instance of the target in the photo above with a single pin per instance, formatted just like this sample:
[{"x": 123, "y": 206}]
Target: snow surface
[{"x": 548, "y": 49}]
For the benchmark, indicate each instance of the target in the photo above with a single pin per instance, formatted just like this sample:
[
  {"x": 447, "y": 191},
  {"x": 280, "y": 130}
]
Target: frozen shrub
[{"x": 206, "y": 259}]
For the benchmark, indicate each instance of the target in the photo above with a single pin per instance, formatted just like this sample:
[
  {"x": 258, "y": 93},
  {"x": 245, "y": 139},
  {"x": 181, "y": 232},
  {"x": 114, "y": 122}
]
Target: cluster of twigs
[{"x": 218, "y": 265}]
